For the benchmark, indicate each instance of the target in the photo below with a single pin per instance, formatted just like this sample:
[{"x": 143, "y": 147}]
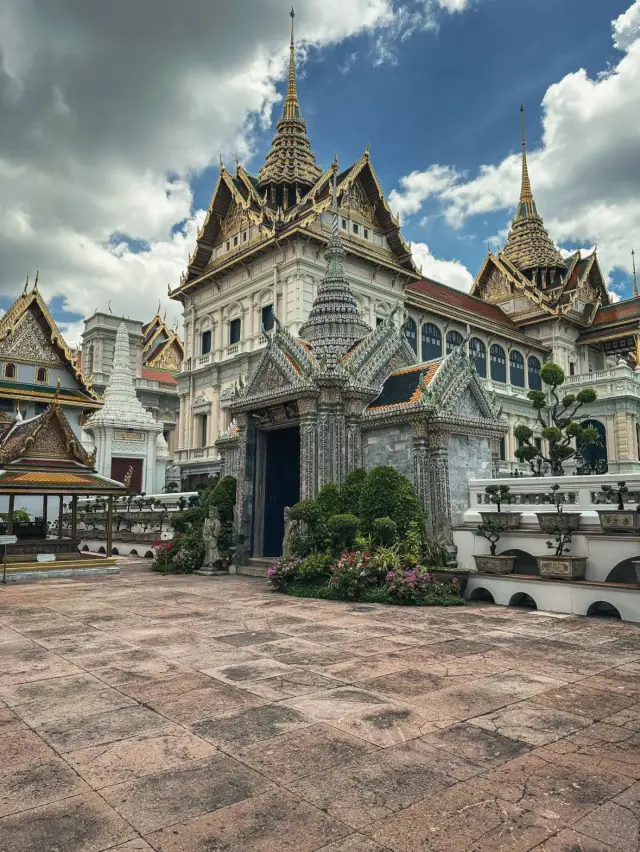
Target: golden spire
[
  {"x": 526, "y": 205},
  {"x": 291, "y": 109},
  {"x": 635, "y": 276}
]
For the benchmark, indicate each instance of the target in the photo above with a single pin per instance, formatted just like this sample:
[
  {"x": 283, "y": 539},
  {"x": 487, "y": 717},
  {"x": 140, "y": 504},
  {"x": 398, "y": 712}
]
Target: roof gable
[{"x": 48, "y": 436}]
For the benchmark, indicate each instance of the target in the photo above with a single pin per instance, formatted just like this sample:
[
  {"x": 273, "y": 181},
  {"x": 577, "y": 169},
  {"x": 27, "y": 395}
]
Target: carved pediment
[
  {"x": 356, "y": 204},
  {"x": 495, "y": 287},
  {"x": 29, "y": 342},
  {"x": 47, "y": 444},
  {"x": 235, "y": 220},
  {"x": 169, "y": 359},
  {"x": 271, "y": 376}
]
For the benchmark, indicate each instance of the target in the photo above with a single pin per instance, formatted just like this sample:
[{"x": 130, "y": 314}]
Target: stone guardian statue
[{"x": 210, "y": 535}]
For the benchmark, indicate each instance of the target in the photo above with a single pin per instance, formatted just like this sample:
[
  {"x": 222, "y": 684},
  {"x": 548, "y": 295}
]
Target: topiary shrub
[
  {"x": 385, "y": 531},
  {"x": 184, "y": 519},
  {"x": 350, "y": 492},
  {"x": 307, "y": 513},
  {"x": 342, "y": 531},
  {"x": 388, "y": 494},
  {"x": 328, "y": 501},
  {"x": 223, "y": 497}
]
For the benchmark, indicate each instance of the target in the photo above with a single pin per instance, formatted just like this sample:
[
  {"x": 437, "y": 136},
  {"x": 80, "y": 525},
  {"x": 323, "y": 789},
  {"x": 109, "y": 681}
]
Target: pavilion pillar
[
  {"x": 45, "y": 506},
  {"x": 60, "y": 515},
  {"x": 74, "y": 517},
  {"x": 12, "y": 500},
  {"x": 109, "y": 525}
]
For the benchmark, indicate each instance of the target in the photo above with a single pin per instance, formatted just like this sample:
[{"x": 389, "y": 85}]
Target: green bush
[
  {"x": 311, "y": 537},
  {"x": 328, "y": 501},
  {"x": 386, "y": 493},
  {"x": 184, "y": 519},
  {"x": 342, "y": 531},
  {"x": 315, "y": 566},
  {"x": 385, "y": 531},
  {"x": 350, "y": 492},
  {"x": 223, "y": 497}
]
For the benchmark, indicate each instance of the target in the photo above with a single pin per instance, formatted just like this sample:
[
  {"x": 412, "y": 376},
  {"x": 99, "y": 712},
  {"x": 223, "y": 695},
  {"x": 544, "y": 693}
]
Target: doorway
[
  {"x": 281, "y": 484},
  {"x": 120, "y": 468}
]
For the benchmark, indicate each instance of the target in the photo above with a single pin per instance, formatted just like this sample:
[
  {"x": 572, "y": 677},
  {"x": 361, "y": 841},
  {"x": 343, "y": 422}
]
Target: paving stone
[
  {"x": 572, "y": 841},
  {"x": 37, "y": 783},
  {"x": 100, "y": 728},
  {"x": 617, "y": 822},
  {"x": 595, "y": 704},
  {"x": 78, "y": 824},
  {"x": 531, "y": 724},
  {"x": 241, "y": 640},
  {"x": 117, "y": 762},
  {"x": 176, "y": 795},
  {"x": 20, "y": 745},
  {"x": 251, "y": 726},
  {"x": 255, "y": 825},
  {"x": 335, "y": 704},
  {"x": 216, "y": 699},
  {"x": 302, "y": 752}
]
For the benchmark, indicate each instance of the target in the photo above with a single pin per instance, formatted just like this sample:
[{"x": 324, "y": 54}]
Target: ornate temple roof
[
  {"x": 529, "y": 246},
  {"x": 290, "y": 158},
  {"x": 29, "y": 334},
  {"x": 334, "y": 324},
  {"x": 404, "y": 387},
  {"x": 121, "y": 405}
]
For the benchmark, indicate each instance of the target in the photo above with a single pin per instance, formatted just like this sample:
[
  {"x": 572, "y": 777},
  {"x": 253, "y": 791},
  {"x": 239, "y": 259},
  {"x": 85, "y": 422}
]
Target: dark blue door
[{"x": 281, "y": 484}]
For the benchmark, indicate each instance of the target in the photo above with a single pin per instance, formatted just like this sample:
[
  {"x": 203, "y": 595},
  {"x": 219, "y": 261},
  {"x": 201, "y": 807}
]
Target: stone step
[{"x": 256, "y": 568}]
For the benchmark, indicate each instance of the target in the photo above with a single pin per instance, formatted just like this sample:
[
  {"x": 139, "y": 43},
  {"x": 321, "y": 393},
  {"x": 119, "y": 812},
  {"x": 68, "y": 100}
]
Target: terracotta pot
[
  {"x": 495, "y": 564},
  {"x": 562, "y": 567},
  {"x": 549, "y": 520},
  {"x": 511, "y": 520},
  {"x": 619, "y": 520}
]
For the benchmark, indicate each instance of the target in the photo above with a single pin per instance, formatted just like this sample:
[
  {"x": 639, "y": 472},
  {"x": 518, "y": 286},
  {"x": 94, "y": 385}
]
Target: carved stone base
[{"x": 210, "y": 571}]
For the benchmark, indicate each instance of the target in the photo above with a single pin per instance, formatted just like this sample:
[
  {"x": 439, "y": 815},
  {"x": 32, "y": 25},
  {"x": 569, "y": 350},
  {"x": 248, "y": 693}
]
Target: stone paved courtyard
[{"x": 189, "y": 714}]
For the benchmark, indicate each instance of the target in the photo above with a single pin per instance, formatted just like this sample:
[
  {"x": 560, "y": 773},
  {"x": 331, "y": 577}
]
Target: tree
[
  {"x": 559, "y": 426},
  {"x": 388, "y": 494}
]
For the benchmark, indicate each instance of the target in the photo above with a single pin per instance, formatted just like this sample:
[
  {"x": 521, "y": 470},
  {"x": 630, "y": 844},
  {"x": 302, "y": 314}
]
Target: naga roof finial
[{"x": 635, "y": 275}]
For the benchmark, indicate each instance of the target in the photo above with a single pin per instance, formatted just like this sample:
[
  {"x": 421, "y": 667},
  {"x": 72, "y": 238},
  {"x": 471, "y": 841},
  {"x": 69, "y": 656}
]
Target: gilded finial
[
  {"x": 109, "y": 307},
  {"x": 635, "y": 275},
  {"x": 367, "y": 150},
  {"x": 526, "y": 206},
  {"x": 26, "y": 285},
  {"x": 35, "y": 283},
  {"x": 158, "y": 311},
  {"x": 164, "y": 319},
  {"x": 291, "y": 109},
  {"x": 221, "y": 164},
  {"x": 237, "y": 162}
]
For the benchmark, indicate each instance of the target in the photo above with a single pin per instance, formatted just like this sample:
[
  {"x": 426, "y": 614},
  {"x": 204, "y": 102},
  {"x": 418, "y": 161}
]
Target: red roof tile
[
  {"x": 629, "y": 309},
  {"x": 457, "y": 299},
  {"x": 155, "y": 375}
]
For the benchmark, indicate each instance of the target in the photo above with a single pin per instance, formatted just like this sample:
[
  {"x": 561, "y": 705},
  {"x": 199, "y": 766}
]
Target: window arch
[
  {"x": 454, "y": 339},
  {"x": 478, "y": 354},
  {"x": 411, "y": 333},
  {"x": 533, "y": 369},
  {"x": 516, "y": 368},
  {"x": 42, "y": 376},
  {"x": 498, "y": 363},
  {"x": 10, "y": 371},
  {"x": 431, "y": 342}
]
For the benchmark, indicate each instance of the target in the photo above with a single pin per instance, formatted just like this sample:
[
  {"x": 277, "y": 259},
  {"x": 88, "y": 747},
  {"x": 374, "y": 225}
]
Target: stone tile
[
  {"x": 295, "y": 682},
  {"x": 159, "y": 800},
  {"x": 608, "y": 747},
  {"x": 150, "y": 690},
  {"x": 79, "y": 824},
  {"x": 139, "y": 845},
  {"x": 302, "y": 752},
  {"x": 216, "y": 700},
  {"x": 248, "y": 672},
  {"x": 242, "y": 640},
  {"x": 37, "y": 783},
  {"x": 374, "y": 647},
  {"x": 595, "y": 704},
  {"x": 335, "y": 704},
  {"x": 124, "y": 760},
  {"x": 566, "y": 788},
  {"x": 20, "y": 745},
  {"x": 371, "y": 787},
  {"x": 617, "y": 822},
  {"x": 34, "y": 664},
  {"x": 463, "y": 817},
  {"x": 250, "y": 726},
  {"x": 617, "y": 681},
  {"x": 412, "y": 682},
  {"x": 571, "y": 841},
  {"x": 255, "y": 825},
  {"x": 483, "y": 749},
  {"x": 100, "y": 728},
  {"x": 531, "y": 724},
  {"x": 53, "y": 690},
  {"x": 353, "y": 843},
  {"x": 357, "y": 670},
  {"x": 132, "y": 665},
  {"x": 386, "y": 724},
  {"x": 41, "y": 711},
  {"x": 9, "y": 721},
  {"x": 629, "y": 718}
]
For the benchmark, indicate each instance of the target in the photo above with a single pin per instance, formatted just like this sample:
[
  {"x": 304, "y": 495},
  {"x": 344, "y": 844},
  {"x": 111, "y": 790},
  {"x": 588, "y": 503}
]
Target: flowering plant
[
  {"x": 351, "y": 572},
  {"x": 284, "y": 571},
  {"x": 409, "y": 584}
]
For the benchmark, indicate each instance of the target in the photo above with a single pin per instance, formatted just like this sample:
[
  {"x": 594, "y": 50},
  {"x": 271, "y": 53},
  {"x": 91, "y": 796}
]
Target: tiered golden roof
[
  {"x": 290, "y": 158},
  {"x": 529, "y": 247}
]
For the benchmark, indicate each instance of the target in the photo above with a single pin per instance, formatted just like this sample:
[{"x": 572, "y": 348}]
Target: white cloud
[
  {"x": 450, "y": 272},
  {"x": 586, "y": 175},
  {"x": 417, "y": 187},
  {"x": 110, "y": 109}
]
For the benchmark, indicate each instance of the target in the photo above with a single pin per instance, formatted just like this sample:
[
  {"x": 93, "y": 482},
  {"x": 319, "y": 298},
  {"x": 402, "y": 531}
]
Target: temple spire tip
[{"x": 635, "y": 275}]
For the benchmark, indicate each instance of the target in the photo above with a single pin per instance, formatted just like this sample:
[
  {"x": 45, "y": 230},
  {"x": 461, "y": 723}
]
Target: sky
[{"x": 114, "y": 117}]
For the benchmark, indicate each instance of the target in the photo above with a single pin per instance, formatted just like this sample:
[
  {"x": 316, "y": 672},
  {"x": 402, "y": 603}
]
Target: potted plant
[
  {"x": 551, "y": 521},
  {"x": 620, "y": 519},
  {"x": 499, "y": 494},
  {"x": 561, "y": 566},
  {"x": 492, "y": 564},
  {"x": 438, "y": 560}
]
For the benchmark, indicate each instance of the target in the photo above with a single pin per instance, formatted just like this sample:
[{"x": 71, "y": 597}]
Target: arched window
[
  {"x": 41, "y": 375},
  {"x": 454, "y": 339},
  {"x": 10, "y": 371},
  {"x": 478, "y": 354},
  {"x": 431, "y": 342},
  {"x": 533, "y": 366},
  {"x": 411, "y": 333},
  {"x": 516, "y": 368},
  {"x": 235, "y": 330},
  {"x": 592, "y": 458},
  {"x": 498, "y": 363}
]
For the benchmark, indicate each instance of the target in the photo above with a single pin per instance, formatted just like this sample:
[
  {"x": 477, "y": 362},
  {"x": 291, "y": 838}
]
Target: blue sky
[{"x": 112, "y": 150}]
